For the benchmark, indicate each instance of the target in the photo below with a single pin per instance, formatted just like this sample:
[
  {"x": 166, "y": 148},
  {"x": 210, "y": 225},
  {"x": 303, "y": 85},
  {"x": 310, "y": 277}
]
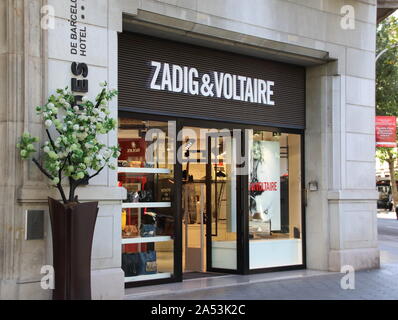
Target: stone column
[
  {"x": 22, "y": 86},
  {"x": 341, "y": 215},
  {"x": 33, "y": 63}
]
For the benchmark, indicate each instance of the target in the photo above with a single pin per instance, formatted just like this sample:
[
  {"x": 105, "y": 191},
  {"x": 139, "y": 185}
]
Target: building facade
[{"x": 298, "y": 80}]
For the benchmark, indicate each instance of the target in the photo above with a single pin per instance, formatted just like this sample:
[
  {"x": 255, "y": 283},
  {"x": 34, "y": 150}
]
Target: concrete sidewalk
[
  {"x": 202, "y": 285},
  {"x": 292, "y": 285},
  {"x": 296, "y": 285}
]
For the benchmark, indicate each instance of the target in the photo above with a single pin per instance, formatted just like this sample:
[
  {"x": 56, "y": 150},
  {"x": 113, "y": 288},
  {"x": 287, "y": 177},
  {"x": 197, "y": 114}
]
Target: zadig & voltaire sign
[{"x": 188, "y": 80}]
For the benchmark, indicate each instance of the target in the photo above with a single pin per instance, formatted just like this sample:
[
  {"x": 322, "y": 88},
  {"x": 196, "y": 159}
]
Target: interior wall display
[
  {"x": 147, "y": 216},
  {"x": 386, "y": 131},
  {"x": 265, "y": 205}
]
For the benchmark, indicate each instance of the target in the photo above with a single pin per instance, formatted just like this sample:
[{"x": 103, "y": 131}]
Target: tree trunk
[{"x": 394, "y": 190}]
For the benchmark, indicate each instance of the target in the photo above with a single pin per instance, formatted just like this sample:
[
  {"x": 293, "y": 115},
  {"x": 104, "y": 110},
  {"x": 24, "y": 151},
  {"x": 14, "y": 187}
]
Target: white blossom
[{"x": 107, "y": 153}]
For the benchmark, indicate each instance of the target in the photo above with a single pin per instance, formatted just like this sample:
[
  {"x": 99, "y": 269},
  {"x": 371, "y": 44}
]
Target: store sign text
[
  {"x": 78, "y": 36},
  {"x": 264, "y": 186},
  {"x": 81, "y": 86},
  {"x": 188, "y": 80}
]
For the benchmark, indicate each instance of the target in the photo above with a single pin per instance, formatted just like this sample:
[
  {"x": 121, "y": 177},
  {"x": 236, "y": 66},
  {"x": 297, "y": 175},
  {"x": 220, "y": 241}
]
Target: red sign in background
[
  {"x": 386, "y": 131},
  {"x": 132, "y": 148}
]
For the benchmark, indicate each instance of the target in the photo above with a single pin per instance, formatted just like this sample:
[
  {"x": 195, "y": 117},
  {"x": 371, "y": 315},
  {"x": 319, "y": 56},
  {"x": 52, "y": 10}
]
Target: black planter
[{"x": 72, "y": 233}]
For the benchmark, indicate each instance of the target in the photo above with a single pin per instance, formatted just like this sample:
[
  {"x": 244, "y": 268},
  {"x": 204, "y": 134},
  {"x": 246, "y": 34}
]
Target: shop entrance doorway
[{"x": 209, "y": 202}]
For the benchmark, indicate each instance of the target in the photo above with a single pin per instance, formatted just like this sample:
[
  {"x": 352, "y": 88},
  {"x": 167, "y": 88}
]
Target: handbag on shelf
[
  {"x": 124, "y": 219},
  {"x": 145, "y": 196},
  {"x": 136, "y": 197},
  {"x": 149, "y": 165},
  {"x": 147, "y": 263},
  {"x": 149, "y": 218},
  {"x": 164, "y": 225},
  {"x": 148, "y": 230},
  {"x": 122, "y": 163},
  {"x": 130, "y": 231},
  {"x": 130, "y": 264},
  {"x": 132, "y": 197}
]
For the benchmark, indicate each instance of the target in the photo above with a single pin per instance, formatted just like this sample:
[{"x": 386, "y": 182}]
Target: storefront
[
  {"x": 264, "y": 77},
  {"x": 212, "y": 159}
]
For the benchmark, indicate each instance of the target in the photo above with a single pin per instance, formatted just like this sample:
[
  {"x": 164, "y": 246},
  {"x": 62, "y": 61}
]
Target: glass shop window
[
  {"x": 146, "y": 171},
  {"x": 275, "y": 208}
]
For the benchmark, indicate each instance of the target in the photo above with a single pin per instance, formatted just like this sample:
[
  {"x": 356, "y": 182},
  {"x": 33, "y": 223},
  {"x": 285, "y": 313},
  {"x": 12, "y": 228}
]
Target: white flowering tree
[{"x": 73, "y": 151}]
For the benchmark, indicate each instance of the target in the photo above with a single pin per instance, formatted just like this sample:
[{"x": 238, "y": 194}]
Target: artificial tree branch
[
  {"x": 42, "y": 169},
  {"x": 51, "y": 139},
  {"x": 59, "y": 131},
  {"x": 59, "y": 186},
  {"x": 96, "y": 174},
  {"x": 73, "y": 184},
  {"x": 76, "y": 183},
  {"x": 100, "y": 98},
  {"x": 72, "y": 188},
  {"x": 62, "y": 192},
  {"x": 63, "y": 166}
]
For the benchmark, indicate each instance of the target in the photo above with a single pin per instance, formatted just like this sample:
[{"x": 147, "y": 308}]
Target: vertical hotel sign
[
  {"x": 78, "y": 48},
  {"x": 386, "y": 131}
]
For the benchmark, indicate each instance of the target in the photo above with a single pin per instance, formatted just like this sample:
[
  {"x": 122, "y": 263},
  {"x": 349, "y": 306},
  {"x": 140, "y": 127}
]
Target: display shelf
[
  {"x": 146, "y": 240},
  {"x": 144, "y": 170},
  {"x": 131, "y": 205},
  {"x": 146, "y": 277}
]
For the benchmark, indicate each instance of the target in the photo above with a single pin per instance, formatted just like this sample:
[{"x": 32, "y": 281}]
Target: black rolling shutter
[{"x": 136, "y": 51}]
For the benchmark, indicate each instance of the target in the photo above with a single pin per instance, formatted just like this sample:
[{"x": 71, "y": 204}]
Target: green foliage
[
  {"x": 387, "y": 68},
  {"x": 387, "y": 77},
  {"x": 386, "y": 154},
  {"x": 26, "y": 145},
  {"x": 76, "y": 150}
]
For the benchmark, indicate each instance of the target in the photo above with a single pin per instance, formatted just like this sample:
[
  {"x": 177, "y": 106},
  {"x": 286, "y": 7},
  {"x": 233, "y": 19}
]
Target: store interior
[{"x": 209, "y": 183}]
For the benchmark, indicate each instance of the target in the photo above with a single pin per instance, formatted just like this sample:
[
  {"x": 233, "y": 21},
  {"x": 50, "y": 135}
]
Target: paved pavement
[
  {"x": 388, "y": 237},
  {"x": 295, "y": 285},
  {"x": 380, "y": 284}
]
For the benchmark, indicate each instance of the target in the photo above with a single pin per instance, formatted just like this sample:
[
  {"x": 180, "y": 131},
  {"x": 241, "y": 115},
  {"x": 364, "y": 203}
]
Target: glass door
[{"x": 221, "y": 206}]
